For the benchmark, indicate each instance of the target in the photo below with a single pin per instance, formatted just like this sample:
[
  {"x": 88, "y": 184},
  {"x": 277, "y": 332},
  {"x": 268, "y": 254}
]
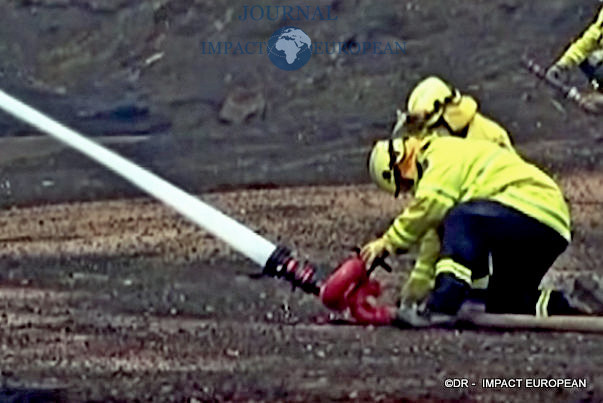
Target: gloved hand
[
  {"x": 414, "y": 316},
  {"x": 557, "y": 73},
  {"x": 375, "y": 249},
  {"x": 416, "y": 289},
  {"x": 592, "y": 103}
]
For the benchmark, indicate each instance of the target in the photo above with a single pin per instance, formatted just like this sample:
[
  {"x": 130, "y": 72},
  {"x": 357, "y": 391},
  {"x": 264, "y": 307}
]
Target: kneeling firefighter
[
  {"x": 486, "y": 203},
  {"x": 436, "y": 107}
]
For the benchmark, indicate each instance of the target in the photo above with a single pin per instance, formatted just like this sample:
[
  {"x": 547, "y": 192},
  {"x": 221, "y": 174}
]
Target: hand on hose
[
  {"x": 557, "y": 73},
  {"x": 414, "y": 316},
  {"x": 374, "y": 249},
  {"x": 416, "y": 289},
  {"x": 592, "y": 102}
]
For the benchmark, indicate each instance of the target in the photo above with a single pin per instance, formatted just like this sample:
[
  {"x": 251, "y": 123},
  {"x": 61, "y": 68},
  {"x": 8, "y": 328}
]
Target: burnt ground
[
  {"x": 123, "y": 300},
  {"x": 119, "y": 299}
]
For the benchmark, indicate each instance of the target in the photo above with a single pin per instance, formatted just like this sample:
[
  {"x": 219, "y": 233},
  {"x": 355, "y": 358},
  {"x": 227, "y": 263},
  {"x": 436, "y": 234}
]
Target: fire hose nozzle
[{"x": 301, "y": 274}]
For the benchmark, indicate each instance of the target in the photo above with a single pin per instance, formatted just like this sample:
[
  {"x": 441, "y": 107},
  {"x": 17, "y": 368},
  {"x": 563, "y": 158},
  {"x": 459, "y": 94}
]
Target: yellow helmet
[
  {"x": 429, "y": 98},
  {"x": 383, "y": 164},
  {"x": 433, "y": 101}
]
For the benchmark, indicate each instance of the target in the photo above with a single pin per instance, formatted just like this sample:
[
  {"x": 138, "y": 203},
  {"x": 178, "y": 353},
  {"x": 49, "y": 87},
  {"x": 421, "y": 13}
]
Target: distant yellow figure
[{"x": 585, "y": 52}]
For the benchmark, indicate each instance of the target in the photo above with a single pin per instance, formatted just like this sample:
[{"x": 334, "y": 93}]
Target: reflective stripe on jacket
[
  {"x": 459, "y": 170},
  {"x": 465, "y": 119}
]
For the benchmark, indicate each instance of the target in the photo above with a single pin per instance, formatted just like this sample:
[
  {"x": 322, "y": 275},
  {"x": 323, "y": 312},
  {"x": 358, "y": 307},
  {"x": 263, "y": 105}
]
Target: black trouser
[
  {"x": 522, "y": 250},
  {"x": 593, "y": 73}
]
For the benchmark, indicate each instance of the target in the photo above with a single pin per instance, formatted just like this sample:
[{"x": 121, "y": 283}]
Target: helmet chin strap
[
  {"x": 393, "y": 166},
  {"x": 454, "y": 97},
  {"x": 441, "y": 122}
]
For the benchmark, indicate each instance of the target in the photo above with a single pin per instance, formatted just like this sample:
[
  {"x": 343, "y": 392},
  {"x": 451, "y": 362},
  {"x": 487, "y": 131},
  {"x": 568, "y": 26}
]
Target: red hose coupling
[{"x": 349, "y": 287}]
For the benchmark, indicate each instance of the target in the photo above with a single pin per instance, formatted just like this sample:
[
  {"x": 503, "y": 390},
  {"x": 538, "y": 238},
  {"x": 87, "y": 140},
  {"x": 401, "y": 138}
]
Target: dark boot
[
  {"x": 594, "y": 74},
  {"x": 587, "y": 295}
]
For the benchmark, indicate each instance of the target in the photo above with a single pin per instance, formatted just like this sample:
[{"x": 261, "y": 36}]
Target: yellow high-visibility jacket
[
  {"x": 479, "y": 127},
  {"x": 591, "y": 40},
  {"x": 464, "y": 115},
  {"x": 459, "y": 170}
]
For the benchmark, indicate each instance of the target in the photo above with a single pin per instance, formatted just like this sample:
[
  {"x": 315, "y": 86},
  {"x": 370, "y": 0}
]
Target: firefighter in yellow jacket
[
  {"x": 486, "y": 204},
  {"x": 435, "y": 106},
  {"x": 585, "y": 52}
]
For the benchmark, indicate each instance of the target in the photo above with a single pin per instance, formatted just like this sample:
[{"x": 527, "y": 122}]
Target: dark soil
[
  {"x": 124, "y": 300},
  {"x": 119, "y": 299}
]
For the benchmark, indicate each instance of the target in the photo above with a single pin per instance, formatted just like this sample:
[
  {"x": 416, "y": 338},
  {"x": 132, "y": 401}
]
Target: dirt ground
[
  {"x": 123, "y": 300},
  {"x": 108, "y": 296}
]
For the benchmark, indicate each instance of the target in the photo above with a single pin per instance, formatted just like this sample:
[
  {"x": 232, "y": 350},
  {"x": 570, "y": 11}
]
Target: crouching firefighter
[
  {"x": 436, "y": 107},
  {"x": 586, "y": 52},
  {"x": 486, "y": 204}
]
